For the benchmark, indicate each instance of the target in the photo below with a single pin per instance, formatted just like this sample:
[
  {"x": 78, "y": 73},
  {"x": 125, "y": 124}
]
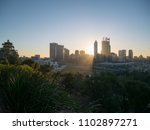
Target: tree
[
  {"x": 31, "y": 63},
  {"x": 45, "y": 69},
  {"x": 8, "y": 53},
  {"x": 105, "y": 93},
  {"x": 138, "y": 95},
  {"x": 4, "y": 61}
]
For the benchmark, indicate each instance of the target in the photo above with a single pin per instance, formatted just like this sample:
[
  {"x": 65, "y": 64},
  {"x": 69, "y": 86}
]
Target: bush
[{"x": 24, "y": 90}]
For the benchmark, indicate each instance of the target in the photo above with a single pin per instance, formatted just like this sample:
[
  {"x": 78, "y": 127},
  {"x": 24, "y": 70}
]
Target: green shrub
[{"x": 24, "y": 90}]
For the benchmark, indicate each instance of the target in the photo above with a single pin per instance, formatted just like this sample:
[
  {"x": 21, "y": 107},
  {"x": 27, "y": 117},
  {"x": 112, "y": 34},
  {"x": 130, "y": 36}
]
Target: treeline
[{"x": 29, "y": 87}]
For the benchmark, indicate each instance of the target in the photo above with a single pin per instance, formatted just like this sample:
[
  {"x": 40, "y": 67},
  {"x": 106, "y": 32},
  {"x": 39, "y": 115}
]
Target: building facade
[
  {"x": 56, "y": 51},
  {"x": 66, "y": 54},
  {"x": 106, "y": 48},
  {"x": 82, "y": 53},
  {"x": 60, "y": 52},
  {"x": 122, "y": 55},
  {"x": 95, "y": 48},
  {"x": 130, "y": 54},
  {"x": 77, "y": 53},
  {"x": 53, "y": 50}
]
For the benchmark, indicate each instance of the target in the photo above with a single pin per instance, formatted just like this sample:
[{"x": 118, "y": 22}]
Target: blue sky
[{"x": 32, "y": 24}]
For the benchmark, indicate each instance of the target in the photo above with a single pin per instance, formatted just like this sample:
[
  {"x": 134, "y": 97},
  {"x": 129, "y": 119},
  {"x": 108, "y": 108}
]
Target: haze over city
[{"x": 32, "y": 24}]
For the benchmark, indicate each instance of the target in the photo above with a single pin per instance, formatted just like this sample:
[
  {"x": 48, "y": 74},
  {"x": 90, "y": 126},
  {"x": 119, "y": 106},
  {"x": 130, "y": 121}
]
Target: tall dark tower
[
  {"x": 95, "y": 48},
  {"x": 130, "y": 54}
]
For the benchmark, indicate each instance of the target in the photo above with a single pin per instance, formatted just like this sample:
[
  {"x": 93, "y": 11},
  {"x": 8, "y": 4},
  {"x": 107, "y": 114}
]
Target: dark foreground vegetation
[{"x": 26, "y": 88}]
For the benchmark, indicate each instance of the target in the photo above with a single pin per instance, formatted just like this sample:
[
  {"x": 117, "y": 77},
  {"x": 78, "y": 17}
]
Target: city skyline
[{"x": 76, "y": 24}]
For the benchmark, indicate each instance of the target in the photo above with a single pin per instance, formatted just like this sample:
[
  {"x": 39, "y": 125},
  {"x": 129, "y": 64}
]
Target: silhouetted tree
[{"x": 8, "y": 53}]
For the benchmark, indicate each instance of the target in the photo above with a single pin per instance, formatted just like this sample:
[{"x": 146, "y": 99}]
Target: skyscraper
[
  {"x": 56, "y": 51},
  {"x": 122, "y": 55},
  {"x": 95, "y": 48},
  {"x": 77, "y": 53},
  {"x": 82, "y": 52},
  {"x": 66, "y": 53},
  {"x": 53, "y": 50},
  {"x": 130, "y": 54},
  {"x": 106, "y": 48},
  {"x": 60, "y": 52}
]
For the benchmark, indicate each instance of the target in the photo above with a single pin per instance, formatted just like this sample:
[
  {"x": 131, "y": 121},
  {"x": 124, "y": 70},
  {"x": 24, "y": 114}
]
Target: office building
[
  {"x": 53, "y": 50},
  {"x": 77, "y": 53},
  {"x": 56, "y": 51},
  {"x": 106, "y": 48},
  {"x": 60, "y": 52},
  {"x": 66, "y": 53},
  {"x": 130, "y": 54},
  {"x": 122, "y": 55},
  {"x": 82, "y": 53},
  {"x": 95, "y": 48}
]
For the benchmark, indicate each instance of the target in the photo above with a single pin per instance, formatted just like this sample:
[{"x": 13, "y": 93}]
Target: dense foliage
[
  {"x": 111, "y": 93},
  {"x": 8, "y": 54},
  {"x": 31, "y": 89},
  {"x": 24, "y": 90}
]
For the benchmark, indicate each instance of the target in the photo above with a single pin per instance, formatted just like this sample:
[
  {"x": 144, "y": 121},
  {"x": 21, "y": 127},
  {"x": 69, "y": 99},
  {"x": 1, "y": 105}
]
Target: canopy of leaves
[
  {"x": 31, "y": 63},
  {"x": 8, "y": 55}
]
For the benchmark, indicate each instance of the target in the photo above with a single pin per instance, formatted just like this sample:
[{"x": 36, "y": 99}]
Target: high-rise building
[
  {"x": 56, "y": 51},
  {"x": 60, "y": 52},
  {"x": 122, "y": 55},
  {"x": 82, "y": 53},
  {"x": 95, "y": 48},
  {"x": 106, "y": 48},
  {"x": 53, "y": 50},
  {"x": 130, "y": 54},
  {"x": 77, "y": 53},
  {"x": 66, "y": 53}
]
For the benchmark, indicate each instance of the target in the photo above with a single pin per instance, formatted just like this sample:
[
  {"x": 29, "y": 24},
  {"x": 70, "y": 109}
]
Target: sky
[{"x": 32, "y": 24}]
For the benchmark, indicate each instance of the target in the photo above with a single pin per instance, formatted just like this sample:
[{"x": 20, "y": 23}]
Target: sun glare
[{"x": 90, "y": 50}]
